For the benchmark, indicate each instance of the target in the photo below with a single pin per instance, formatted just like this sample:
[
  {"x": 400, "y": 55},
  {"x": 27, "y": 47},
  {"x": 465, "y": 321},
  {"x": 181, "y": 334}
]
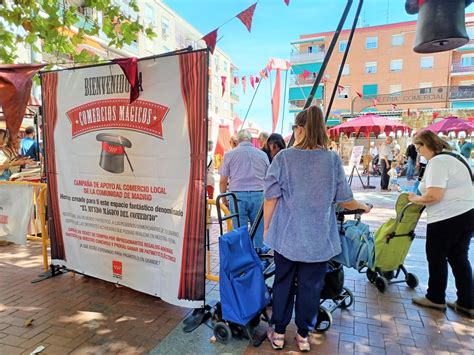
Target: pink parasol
[
  {"x": 368, "y": 124},
  {"x": 451, "y": 124}
]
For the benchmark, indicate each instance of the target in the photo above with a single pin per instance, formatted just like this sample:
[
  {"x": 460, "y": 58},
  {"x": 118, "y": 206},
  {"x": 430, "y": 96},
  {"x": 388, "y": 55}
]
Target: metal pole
[
  {"x": 250, "y": 105},
  {"x": 344, "y": 57},
  {"x": 328, "y": 55},
  {"x": 284, "y": 102}
]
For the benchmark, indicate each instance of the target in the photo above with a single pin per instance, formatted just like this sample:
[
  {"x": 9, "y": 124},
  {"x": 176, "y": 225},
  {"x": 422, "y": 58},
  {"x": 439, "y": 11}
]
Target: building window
[
  {"x": 467, "y": 60},
  {"x": 311, "y": 49},
  {"x": 371, "y": 42},
  {"x": 165, "y": 28},
  {"x": 369, "y": 90},
  {"x": 395, "y": 89},
  {"x": 396, "y": 65},
  {"x": 398, "y": 40},
  {"x": 342, "y": 46},
  {"x": 346, "y": 69},
  {"x": 370, "y": 67},
  {"x": 425, "y": 88},
  {"x": 149, "y": 14},
  {"x": 343, "y": 93},
  {"x": 225, "y": 65},
  {"x": 426, "y": 62}
]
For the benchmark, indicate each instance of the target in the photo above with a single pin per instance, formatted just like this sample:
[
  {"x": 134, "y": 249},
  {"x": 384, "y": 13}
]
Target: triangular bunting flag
[
  {"x": 257, "y": 79},
  {"x": 359, "y": 94},
  {"x": 264, "y": 73},
  {"x": 246, "y": 16},
  {"x": 252, "y": 81},
  {"x": 287, "y": 2},
  {"x": 236, "y": 80},
  {"x": 130, "y": 69},
  {"x": 244, "y": 83},
  {"x": 211, "y": 40},
  {"x": 223, "y": 81},
  {"x": 306, "y": 74}
]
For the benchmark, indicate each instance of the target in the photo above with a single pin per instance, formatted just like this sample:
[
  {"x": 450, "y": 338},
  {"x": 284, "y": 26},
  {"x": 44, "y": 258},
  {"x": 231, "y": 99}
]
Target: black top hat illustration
[{"x": 113, "y": 151}]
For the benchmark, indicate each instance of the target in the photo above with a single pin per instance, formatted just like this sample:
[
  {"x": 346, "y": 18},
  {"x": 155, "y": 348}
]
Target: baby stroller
[
  {"x": 375, "y": 166},
  {"x": 244, "y": 295},
  {"x": 392, "y": 241}
]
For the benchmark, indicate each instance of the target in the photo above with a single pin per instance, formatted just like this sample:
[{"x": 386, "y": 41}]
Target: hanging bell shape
[{"x": 440, "y": 26}]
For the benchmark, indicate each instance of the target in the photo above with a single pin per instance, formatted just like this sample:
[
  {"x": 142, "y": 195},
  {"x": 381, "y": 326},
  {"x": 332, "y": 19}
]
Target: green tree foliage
[{"x": 59, "y": 26}]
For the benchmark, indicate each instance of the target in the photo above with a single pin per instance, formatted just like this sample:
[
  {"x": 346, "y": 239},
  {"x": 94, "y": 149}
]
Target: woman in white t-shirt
[{"x": 448, "y": 194}]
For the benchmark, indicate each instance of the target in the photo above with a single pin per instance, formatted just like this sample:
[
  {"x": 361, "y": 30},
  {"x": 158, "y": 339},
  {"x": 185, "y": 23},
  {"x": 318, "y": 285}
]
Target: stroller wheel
[
  {"x": 371, "y": 275},
  {"x": 324, "y": 320},
  {"x": 411, "y": 280},
  {"x": 381, "y": 283},
  {"x": 348, "y": 298},
  {"x": 222, "y": 332}
]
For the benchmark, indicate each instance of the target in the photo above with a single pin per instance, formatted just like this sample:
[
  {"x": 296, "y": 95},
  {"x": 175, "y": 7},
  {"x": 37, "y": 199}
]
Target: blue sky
[{"x": 274, "y": 26}]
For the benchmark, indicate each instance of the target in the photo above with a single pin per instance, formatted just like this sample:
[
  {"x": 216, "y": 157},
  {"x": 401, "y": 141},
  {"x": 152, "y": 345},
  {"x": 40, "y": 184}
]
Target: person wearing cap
[
  {"x": 244, "y": 169},
  {"x": 29, "y": 146},
  {"x": 464, "y": 146},
  {"x": 210, "y": 179}
]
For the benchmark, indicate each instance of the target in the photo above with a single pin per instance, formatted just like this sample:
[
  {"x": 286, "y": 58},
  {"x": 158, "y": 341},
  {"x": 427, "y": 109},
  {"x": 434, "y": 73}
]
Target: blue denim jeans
[
  {"x": 410, "y": 169},
  {"x": 249, "y": 203}
]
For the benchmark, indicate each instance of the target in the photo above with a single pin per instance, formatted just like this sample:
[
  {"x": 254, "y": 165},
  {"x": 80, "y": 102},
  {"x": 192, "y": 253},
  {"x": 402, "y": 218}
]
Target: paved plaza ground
[{"x": 81, "y": 315}]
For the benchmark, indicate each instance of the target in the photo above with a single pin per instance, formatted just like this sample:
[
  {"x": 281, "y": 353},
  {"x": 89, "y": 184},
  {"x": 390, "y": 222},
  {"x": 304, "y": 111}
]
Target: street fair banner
[
  {"x": 16, "y": 203},
  {"x": 127, "y": 179}
]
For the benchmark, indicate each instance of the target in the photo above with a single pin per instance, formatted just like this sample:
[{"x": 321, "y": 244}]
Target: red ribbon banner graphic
[{"x": 141, "y": 116}]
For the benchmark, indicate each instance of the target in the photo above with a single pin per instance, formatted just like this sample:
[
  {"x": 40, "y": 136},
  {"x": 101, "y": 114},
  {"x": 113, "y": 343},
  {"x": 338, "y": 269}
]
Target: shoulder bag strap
[{"x": 461, "y": 159}]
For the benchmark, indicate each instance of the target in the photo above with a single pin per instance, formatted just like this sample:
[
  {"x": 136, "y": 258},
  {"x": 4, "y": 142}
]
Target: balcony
[
  {"x": 298, "y": 58},
  {"x": 458, "y": 69},
  {"x": 300, "y": 81},
  {"x": 234, "y": 97}
]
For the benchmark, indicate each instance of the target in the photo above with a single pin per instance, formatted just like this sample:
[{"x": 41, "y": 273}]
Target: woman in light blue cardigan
[{"x": 302, "y": 186}]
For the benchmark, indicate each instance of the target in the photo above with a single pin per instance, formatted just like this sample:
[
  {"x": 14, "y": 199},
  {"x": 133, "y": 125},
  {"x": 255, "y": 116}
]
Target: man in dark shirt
[{"x": 411, "y": 154}]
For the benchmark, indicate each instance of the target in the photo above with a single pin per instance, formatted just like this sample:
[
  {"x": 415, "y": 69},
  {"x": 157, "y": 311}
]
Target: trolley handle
[
  {"x": 233, "y": 200},
  {"x": 357, "y": 213}
]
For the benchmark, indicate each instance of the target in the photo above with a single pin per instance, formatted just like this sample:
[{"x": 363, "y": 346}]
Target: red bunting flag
[
  {"x": 257, "y": 79},
  {"x": 252, "y": 81},
  {"x": 435, "y": 115},
  {"x": 340, "y": 88},
  {"x": 130, "y": 69},
  {"x": 287, "y": 2},
  {"x": 223, "y": 81},
  {"x": 244, "y": 83},
  {"x": 359, "y": 94},
  {"x": 408, "y": 113},
  {"x": 236, "y": 80},
  {"x": 211, "y": 40},
  {"x": 246, "y": 16},
  {"x": 306, "y": 74},
  {"x": 264, "y": 73}
]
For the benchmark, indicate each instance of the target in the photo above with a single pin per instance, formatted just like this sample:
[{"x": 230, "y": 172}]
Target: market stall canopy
[
  {"x": 451, "y": 124},
  {"x": 368, "y": 124},
  {"x": 15, "y": 90}
]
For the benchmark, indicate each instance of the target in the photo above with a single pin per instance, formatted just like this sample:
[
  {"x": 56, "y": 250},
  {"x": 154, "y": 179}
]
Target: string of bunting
[{"x": 245, "y": 16}]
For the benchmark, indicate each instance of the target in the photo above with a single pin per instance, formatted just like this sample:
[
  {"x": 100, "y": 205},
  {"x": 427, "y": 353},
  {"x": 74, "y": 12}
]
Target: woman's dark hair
[
  {"x": 312, "y": 119},
  {"x": 431, "y": 141},
  {"x": 277, "y": 139}
]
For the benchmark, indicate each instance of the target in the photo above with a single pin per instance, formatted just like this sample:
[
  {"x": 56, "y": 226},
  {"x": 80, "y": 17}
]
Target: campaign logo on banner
[
  {"x": 117, "y": 268},
  {"x": 141, "y": 116}
]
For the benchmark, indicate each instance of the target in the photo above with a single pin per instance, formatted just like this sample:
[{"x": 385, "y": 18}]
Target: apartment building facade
[{"x": 383, "y": 69}]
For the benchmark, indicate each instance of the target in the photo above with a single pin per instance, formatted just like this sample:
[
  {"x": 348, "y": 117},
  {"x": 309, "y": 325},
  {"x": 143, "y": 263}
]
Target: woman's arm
[
  {"x": 432, "y": 196},
  {"x": 355, "y": 205},
  {"x": 268, "y": 209}
]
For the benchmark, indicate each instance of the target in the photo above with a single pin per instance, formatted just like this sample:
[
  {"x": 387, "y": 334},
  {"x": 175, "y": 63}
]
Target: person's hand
[
  {"x": 27, "y": 161},
  {"x": 412, "y": 197},
  {"x": 225, "y": 202},
  {"x": 367, "y": 207}
]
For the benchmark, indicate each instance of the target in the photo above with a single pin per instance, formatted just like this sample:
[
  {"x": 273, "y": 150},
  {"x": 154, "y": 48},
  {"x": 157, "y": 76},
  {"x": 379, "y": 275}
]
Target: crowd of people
[
  {"x": 14, "y": 157},
  {"x": 299, "y": 222}
]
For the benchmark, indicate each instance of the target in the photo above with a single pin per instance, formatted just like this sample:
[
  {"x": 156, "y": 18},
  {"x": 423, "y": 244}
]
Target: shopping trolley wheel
[
  {"x": 381, "y": 283},
  {"x": 411, "y": 280},
  {"x": 348, "y": 298},
  {"x": 222, "y": 332},
  {"x": 371, "y": 275},
  {"x": 324, "y": 320}
]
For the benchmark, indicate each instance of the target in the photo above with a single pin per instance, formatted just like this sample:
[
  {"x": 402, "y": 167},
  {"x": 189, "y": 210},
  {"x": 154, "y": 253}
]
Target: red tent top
[
  {"x": 450, "y": 124},
  {"x": 368, "y": 124}
]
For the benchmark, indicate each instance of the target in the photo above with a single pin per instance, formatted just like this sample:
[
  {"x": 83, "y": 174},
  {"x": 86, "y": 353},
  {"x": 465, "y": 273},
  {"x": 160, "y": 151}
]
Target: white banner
[
  {"x": 123, "y": 173},
  {"x": 16, "y": 203},
  {"x": 356, "y": 156}
]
